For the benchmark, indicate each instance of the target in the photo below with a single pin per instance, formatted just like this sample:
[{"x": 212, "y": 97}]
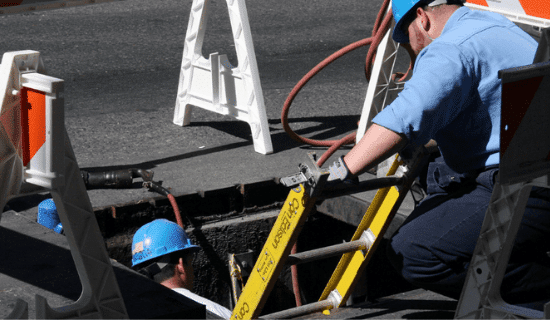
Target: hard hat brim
[
  {"x": 398, "y": 35},
  {"x": 190, "y": 249}
]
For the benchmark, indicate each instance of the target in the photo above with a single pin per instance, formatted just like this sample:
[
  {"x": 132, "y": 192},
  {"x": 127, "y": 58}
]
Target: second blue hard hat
[
  {"x": 158, "y": 238},
  {"x": 48, "y": 216}
]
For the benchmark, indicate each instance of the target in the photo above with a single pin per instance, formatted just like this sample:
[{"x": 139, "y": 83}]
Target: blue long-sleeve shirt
[{"x": 454, "y": 95}]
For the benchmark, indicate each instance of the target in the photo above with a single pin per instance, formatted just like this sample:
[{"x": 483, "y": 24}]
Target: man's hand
[{"x": 339, "y": 170}]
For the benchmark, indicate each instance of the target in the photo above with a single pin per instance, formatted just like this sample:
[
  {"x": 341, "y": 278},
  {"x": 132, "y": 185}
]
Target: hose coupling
[{"x": 114, "y": 179}]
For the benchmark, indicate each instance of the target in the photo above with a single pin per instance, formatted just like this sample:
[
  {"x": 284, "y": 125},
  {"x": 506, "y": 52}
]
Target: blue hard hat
[
  {"x": 158, "y": 238},
  {"x": 401, "y": 9},
  {"x": 47, "y": 215}
]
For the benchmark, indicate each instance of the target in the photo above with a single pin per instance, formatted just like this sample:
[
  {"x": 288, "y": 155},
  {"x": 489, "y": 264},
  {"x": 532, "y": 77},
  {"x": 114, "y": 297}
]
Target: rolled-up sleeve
[{"x": 439, "y": 90}]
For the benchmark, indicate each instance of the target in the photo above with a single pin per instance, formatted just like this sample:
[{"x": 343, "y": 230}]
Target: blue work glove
[{"x": 339, "y": 170}]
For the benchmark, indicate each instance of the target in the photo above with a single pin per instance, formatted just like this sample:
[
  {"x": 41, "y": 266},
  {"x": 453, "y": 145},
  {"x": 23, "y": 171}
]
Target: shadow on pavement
[
  {"x": 430, "y": 309},
  {"x": 328, "y": 128}
]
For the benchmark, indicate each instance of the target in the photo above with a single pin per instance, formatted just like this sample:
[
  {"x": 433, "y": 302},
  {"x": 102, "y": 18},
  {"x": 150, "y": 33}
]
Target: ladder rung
[
  {"x": 367, "y": 185},
  {"x": 299, "y": 311},
  {"x": 326, "y": 252}
]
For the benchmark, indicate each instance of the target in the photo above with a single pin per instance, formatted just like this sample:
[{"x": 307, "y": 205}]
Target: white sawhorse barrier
[
  {"x": 36, "y": 154},
  {"x": 213, "y": 84},
  {"x": 481, "y": 297},
  {"x": 382, "y": 89},
  {"x": 525, "y": 163}
]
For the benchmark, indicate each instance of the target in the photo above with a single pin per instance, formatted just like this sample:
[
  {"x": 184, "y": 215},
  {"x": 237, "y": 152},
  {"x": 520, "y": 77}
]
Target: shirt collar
[{"x": 455, "y": 17}]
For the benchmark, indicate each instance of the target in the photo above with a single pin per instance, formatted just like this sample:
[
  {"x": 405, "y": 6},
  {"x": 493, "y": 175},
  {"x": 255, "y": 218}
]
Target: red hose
[
  {"x": 379, "y": 17},
  {"x": 350, "y": 138},
  {"x": 376, "y": 39},
  {"x": 381, "y": 26},
  {"x": 302, "y": 83},
  {"x": 176, "y": 210},
  {"x": 295, "y": 282}
]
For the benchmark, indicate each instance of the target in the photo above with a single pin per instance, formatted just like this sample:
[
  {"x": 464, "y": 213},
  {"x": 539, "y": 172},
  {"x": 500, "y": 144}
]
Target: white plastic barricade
[
  {"x": 531, "y": 12},
  {"x": 35, "y": 150},
  {"x": 525, "y": 162},
  {"x": 382, "y": 90},
  {"x": 214, "y": 84}
]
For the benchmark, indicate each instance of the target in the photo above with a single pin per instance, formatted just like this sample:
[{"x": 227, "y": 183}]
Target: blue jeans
[{"x": 434, "y": 246}]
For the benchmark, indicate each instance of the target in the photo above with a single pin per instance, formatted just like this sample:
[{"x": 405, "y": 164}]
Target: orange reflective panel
[
  {"x": 478, "y": 2},
  {"x": 33, "y": 122},
  {"x": 536, "y": 8}
]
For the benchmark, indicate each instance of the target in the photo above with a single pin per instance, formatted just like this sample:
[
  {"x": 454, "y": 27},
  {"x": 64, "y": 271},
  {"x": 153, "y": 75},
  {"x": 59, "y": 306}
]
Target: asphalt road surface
[{"x": 121, "y": 62}]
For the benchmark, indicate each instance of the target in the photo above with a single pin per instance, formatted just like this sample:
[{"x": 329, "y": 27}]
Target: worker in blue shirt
[{"x": 454, "y": 98}]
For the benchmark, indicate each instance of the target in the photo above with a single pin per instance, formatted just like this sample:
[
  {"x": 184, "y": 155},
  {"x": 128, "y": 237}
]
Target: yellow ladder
[{"x": 356, "y": 253}]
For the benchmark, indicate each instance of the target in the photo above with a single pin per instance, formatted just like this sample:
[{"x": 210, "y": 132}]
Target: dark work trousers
[{"x": 434, "y": 246}]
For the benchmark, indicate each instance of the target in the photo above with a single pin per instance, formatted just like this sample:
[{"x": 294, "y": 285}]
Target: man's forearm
[{"x": 377, "y": 144}]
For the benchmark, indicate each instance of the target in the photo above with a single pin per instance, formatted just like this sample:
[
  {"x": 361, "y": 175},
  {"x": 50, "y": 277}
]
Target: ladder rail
[
  {"x": 272, "y": 258},
  {"x": 358, "y": 251},
  {"x": 376, "y": 221}
]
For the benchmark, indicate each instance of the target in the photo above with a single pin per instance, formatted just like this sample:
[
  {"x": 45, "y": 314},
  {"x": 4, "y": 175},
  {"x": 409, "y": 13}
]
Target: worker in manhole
[
  {"x": 454, "y": 98},
  {"x": 162, "y": 251}
]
